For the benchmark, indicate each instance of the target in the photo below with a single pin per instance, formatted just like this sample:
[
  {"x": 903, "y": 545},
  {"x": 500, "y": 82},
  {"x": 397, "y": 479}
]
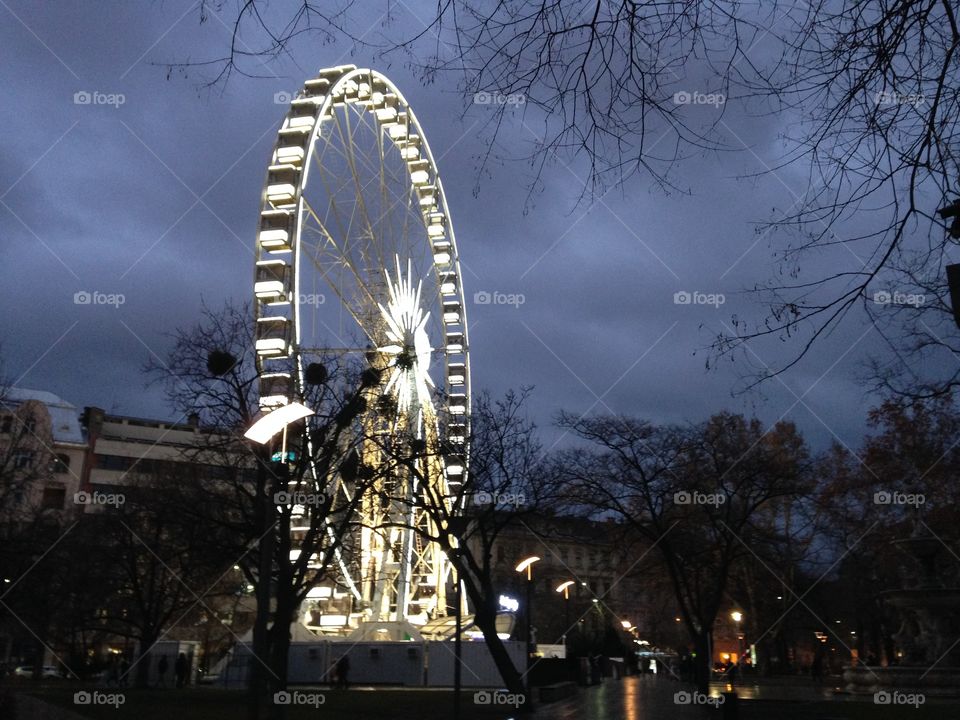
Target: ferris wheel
[{"x": 356, "y": 253}]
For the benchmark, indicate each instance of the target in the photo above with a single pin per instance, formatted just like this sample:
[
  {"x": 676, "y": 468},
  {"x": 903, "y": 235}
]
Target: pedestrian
[
  {"x": 162, "y": 668},
  {"x": 124, "y": 669},
  {"x": 113, "y": 671},
  {"x": 180, "y": 668},
  {"x": 343, "y": 672}
]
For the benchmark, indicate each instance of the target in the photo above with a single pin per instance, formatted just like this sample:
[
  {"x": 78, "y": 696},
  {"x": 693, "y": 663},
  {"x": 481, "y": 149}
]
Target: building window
[
  {"x": 53, "y": 498},
  {"x": 113, "y": 462},
  {"x": 60, "y": 464},
  {"x": 6, "y": 424},
  {"x": 22, "y": 459},
  {"x": 30, "y": 425}
]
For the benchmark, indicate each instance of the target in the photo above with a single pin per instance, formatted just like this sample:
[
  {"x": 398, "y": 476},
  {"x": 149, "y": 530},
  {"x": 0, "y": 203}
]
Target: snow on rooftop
[{"x": 64, "y": 418}]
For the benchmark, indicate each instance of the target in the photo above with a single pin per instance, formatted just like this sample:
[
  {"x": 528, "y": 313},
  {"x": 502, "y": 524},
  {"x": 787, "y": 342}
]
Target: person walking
[
  {"x": 162, "y": 668},
  {"x": 180, "y": 668},
  {"x": 343, "y": 672}
]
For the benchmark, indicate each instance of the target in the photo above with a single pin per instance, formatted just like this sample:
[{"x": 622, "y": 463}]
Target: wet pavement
[{"x": 643, "y": 697}]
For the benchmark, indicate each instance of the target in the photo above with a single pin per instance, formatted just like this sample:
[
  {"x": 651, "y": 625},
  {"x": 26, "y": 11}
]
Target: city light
[
  {"x": 526, "y": 564},
  {"x": 263, "y": 430}
]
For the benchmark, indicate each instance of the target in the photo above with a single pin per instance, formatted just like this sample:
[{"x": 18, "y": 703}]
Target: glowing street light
[
  {"x": 264, "y": 429},
  {"x": 737, "y": 617},
  {"x": 564, "y": 587},
  {"x": 526, "y": 565}
]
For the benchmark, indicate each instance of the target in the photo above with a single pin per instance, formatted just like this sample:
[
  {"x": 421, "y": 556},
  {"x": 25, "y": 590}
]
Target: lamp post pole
[
  {"x": 458, "y": 614},
  {"x": 564, "y": 587},
  {"x": 526, "y": 565},
  {"x": 458, "y": 528}
]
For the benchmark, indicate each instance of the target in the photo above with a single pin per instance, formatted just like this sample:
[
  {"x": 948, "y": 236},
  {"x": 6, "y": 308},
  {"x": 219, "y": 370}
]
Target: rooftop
[{"x": 64, "y": 417}]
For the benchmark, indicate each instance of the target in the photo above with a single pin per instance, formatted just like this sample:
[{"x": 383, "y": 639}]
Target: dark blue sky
[{"x": 157, "y": 199}]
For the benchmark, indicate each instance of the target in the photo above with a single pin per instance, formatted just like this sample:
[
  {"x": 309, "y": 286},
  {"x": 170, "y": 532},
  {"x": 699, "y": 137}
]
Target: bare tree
[
  {"x": 210, "y": 371},
  {"x": 864, "y": 88},
  {"x": 697, "y": 495},
  {"x": 505, "y": 483}
]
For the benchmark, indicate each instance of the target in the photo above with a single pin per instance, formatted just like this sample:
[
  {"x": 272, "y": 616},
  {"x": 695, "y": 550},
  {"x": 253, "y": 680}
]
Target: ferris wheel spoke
[{"x": 346, "y": 138}]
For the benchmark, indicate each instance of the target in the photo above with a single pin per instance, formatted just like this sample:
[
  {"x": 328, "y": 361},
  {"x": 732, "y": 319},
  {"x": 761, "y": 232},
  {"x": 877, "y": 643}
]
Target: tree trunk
[
  {"x": 257, "y": 676},
  {"x": 486, "y": 620},
  {"x": 702, "y": 663},
  {"x": 142, "y": 674}
]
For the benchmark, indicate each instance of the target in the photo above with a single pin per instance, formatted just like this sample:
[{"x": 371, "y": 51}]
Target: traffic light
[{"x": 952, "y": 211}]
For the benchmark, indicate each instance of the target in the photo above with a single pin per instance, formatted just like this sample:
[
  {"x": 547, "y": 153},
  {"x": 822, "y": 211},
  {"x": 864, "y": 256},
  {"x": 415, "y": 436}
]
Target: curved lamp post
[{"x": 526, "y": 565}]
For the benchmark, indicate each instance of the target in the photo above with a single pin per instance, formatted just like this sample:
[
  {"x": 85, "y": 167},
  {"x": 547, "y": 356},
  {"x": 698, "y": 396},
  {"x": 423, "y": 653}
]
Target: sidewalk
[
  {"x": 638, "y": 697},
  {"x": 788, "y": 690}
]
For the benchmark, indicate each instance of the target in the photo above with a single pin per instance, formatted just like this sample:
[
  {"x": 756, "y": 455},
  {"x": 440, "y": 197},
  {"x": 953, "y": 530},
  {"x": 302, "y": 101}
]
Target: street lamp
[
  {"x": 737, "y": 617},
  {"x": 564, "y": 587},
  {"x": 526, "y": 565},
  {"x": 264, "y": 429}
]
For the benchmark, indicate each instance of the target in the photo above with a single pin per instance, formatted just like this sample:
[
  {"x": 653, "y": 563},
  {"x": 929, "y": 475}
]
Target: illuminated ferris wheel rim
[{"x": 281, "y": 225}]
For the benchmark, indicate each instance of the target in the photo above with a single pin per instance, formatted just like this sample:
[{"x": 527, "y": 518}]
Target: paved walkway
[{"x": 639, "y": 697}]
